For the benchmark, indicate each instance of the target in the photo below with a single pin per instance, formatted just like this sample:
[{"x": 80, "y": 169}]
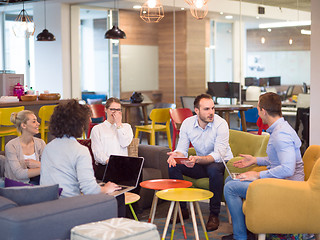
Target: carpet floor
[{"x": 160, "y": 218}]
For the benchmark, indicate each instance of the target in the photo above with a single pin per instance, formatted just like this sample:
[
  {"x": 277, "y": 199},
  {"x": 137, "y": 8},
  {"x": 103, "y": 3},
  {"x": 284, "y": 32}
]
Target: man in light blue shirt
[
  {"x": 209, "y": 135},
  {"x": 283, "y": 161}
]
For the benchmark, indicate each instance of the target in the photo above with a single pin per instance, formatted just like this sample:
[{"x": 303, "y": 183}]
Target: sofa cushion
[
  {"x": 6, "y": 203},
  {"x": 31, "y": 194},
  {"x": 12, "y": 183}
]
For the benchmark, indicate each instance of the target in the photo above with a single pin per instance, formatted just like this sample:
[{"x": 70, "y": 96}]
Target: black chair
[{"x": 187, "y": 102}]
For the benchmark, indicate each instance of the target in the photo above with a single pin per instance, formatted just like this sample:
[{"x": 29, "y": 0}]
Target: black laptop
[{"x": 124, "y": 171}]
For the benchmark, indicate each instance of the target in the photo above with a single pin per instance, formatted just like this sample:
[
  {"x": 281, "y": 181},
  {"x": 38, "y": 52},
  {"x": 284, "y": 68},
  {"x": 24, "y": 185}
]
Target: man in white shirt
[{"x": 112, "y": 137}]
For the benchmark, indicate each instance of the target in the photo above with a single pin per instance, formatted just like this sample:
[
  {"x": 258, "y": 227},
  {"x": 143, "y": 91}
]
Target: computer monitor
[
  {"x": 234, "y": 88},
  {"x": 218, "y": 89},
  {"x": 263, "y": 82},
  {"x": 274, "y": 81},
  {"x": 251, "y": 81}
]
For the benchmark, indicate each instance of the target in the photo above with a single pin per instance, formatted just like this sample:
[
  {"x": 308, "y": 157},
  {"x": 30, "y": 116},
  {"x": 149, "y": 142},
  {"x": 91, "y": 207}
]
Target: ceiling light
[
  {"x": 45, "y": 35},
  {"x": 182, "y": 8},
  {"x": 285, "y": 24},
  {"x": 305, "y": 31},
  {"x": 136, "y": 7},
  {"x": 263, "y": 40},
  {"x": 23, "y": 25},
  {"x": 269, "y": 29},
  {"x": 221, "y": 13},
  {"x": 115, "y": 33},
  {"x": 228, "y": 17},
  {"x": 290, "y": 41},
  {"x": 152, "y": 11},
  {"x": 257, "y": 17},
  {"x": 199, "y": 9}
]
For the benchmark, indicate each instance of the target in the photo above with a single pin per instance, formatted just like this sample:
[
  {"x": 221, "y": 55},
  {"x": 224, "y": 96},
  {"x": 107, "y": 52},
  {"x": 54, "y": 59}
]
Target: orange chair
[
  {"x": 98, "y": 111},
  {"x": 177, "y": 117}
]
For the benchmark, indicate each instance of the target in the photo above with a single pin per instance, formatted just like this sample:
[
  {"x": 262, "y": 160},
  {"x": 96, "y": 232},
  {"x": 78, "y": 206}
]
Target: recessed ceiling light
[
  {"x": 257, "y": 17},
  {"x": 228, "y": 17},
  {"x": 290, "y": 41},
  {"x": 221, "y": 13},
  {"x": 262, "y": 40},
  {"x": 285, "y": 24},
  {"x": 182, "y": 9},
  {"x": 304, "y": 31},
  {"x": 269, "y": 29},
  {"x": 136, "y": 6}
]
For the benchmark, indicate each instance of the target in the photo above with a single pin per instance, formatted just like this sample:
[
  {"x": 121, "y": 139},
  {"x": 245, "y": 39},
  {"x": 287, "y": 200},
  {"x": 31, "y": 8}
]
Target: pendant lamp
[
  {"x": 23, "y": 26},
  {"x": 199, "y": 9},
  {"x": 115, "y": 32},
  {"x": 45, "y": 35},
  {"x": 152, "y": 11}
]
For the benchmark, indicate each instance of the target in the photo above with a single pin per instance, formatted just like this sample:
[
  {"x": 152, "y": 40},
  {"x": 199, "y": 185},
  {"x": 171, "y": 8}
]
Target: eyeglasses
[{"x": 115, "y": 109}]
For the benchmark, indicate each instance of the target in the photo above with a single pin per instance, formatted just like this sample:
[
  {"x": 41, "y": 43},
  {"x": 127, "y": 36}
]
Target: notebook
[
  {"x": 123, "y": 171},
  {"x": 231, "y": 174}
]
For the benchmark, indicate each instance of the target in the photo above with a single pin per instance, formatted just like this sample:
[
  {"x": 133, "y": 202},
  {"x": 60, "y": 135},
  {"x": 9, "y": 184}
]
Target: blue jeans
[
  {"x": 234, "y": 192},
  {"x": 214, "y": 171}
]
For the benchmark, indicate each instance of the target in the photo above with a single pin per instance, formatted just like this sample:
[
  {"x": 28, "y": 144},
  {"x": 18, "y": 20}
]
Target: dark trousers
[
  {"x": 214, "y": 171},
  {"x": 121, "y": 206}
]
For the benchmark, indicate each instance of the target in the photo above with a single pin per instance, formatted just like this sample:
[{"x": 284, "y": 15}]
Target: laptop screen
[{"x": 123, "y": 170}]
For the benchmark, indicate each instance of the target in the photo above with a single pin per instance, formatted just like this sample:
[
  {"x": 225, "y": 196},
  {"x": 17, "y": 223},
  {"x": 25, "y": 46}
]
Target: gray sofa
[
  {"x": 51, "y": 219},
  {"x": 155, "y": 167}
]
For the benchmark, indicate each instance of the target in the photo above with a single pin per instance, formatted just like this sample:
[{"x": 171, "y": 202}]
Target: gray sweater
[
  {"x": 67, "y": 163},
  {"x": 15, "y": 167}
]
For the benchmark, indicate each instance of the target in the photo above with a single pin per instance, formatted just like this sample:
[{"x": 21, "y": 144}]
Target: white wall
[
  {"x": 52, "y": 59},
  {"x": 292, "y": 66},
  {"x": 315, "y": 74},
  {"x": 139, "y": 68}
]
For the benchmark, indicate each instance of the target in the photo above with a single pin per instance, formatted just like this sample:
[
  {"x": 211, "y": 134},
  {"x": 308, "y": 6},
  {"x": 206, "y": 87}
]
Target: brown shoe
[{"x": 213, "y": 223}]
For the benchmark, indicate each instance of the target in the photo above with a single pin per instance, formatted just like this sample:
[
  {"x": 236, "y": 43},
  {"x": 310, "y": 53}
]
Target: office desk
[
  {"x": 226, "y": 109},
  {"x": 127, "y": 107}
]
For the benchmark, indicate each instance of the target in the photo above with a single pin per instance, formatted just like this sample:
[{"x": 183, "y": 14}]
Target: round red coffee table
[{"x": 163, "y": 184}]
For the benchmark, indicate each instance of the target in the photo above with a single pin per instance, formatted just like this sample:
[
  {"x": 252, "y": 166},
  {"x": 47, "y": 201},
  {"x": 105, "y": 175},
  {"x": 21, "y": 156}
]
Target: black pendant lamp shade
[
  {"x": 45, "y": 35},
  {"x": 115, "y": 33}
]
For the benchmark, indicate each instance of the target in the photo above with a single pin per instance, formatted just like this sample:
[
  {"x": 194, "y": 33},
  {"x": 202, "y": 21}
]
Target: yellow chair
[
  {"x": 7, "y": 127},
  {"x": 45, "y": 113},
  {"x": 157, "y": 115},
  {"x": 283, "y": 206}
]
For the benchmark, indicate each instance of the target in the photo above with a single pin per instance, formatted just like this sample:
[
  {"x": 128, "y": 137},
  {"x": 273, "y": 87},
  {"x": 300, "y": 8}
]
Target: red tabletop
[{"x": 162, "y": 184}]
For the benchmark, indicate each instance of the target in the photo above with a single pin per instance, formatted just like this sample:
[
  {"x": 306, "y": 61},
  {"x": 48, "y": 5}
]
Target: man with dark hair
[
  {"x": 112, "y": 137},
  {"x": 283, "y": 161},
  {"x": 209, "y": 135}
]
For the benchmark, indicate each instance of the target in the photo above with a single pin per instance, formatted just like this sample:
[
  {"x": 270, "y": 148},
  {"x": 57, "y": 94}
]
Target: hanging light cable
[
  {"x": 45, "y": 35},
  {"x": 115, "y": 32},
  {"x": 23, "y": 26}
]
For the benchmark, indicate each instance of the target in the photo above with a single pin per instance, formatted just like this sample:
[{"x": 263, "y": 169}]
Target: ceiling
[{"x": 303, "y": 5}]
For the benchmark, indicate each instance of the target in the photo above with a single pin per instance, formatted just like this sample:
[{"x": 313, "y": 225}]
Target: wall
[
  {"x": 138, "y": 54},
  {"x": 315, "y": 73},
  {"x": 52, "y": 59}
]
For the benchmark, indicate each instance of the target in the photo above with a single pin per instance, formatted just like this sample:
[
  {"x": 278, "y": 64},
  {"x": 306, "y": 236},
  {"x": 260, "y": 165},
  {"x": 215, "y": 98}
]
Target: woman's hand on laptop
[
  {"x": 110, "y": 187},
  {"x": 247, "y": 161}
]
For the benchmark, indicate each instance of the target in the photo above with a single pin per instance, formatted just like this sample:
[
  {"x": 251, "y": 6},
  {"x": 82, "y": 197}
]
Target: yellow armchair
[{"x": 284, "y": 206}]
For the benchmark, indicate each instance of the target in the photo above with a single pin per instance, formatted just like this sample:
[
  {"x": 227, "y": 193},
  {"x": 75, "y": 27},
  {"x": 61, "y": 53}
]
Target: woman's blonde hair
[{"x": 17, "y": 118}]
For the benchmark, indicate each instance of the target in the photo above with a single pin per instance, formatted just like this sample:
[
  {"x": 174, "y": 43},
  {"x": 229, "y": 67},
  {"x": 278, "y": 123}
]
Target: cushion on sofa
[
  {"x": 13, "y": 183},
  {"x": 6, "y": 203},
  {"x": 31, "y": 194}
]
